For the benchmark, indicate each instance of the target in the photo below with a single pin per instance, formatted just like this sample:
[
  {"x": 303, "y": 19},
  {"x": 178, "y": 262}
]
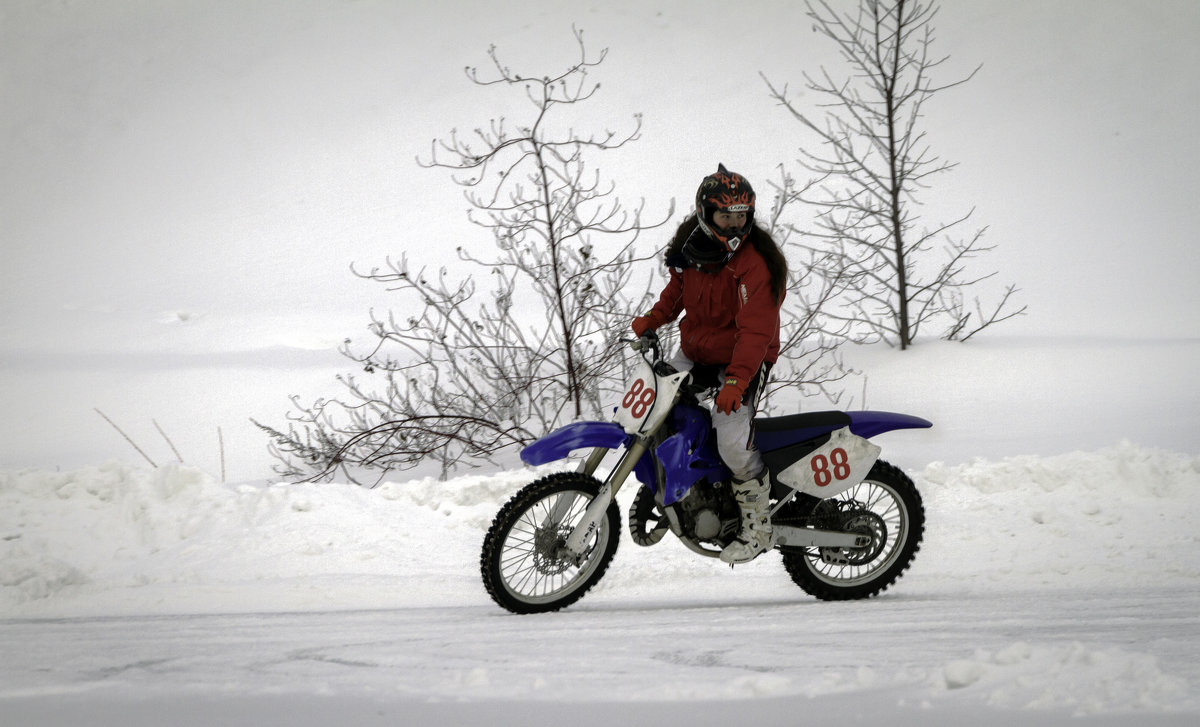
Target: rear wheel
[
  {"x": 885, "y": 506},
  {"x": 523, "y": 563}
]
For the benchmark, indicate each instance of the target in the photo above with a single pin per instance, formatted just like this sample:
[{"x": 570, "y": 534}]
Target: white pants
[{"x": 735, "y": 431}]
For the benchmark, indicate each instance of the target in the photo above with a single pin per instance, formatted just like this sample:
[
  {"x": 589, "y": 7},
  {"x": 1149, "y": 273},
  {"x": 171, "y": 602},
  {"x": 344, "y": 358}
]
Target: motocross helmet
[{"x": 724, "y": 191}]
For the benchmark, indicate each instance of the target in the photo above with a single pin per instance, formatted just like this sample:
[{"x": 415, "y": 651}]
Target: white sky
[{"x": 230, "y": 159}]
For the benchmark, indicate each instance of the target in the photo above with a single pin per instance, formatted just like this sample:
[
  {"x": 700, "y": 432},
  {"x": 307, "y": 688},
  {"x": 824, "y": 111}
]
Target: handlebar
[
  {"x": 648, "y": 340},
  {"x": 650, "y": 343}
]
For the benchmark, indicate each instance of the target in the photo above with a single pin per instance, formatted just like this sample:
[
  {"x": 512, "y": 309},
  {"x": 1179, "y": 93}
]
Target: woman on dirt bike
[{"x": 728, "y": 278}]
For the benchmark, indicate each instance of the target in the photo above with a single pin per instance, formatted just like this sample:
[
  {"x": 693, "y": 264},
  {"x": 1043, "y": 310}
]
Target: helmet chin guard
[{"x": 702, "y": 250}]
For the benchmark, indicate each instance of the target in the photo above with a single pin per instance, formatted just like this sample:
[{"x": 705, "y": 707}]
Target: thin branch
[
  {"x": 169, "y": 442},
  {"x": 127, "y": 438}
]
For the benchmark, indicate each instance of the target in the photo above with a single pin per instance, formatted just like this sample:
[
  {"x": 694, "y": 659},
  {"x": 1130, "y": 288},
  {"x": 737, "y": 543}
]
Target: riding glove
[
  {"x": 641, "y": 324},
  {"x": 729, "y": 398}
]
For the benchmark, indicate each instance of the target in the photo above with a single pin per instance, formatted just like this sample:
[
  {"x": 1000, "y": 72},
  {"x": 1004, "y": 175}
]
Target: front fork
[{"x": 574, "y": 549}]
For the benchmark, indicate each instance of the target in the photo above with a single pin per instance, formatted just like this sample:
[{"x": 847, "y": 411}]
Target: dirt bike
[{"x": 846, "y": 522}]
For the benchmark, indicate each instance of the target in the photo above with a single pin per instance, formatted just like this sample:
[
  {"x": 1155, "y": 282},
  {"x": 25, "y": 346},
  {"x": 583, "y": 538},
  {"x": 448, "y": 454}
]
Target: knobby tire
[
  {"x": 519, "y": 564},
  {"x": 903, "y": 510}
]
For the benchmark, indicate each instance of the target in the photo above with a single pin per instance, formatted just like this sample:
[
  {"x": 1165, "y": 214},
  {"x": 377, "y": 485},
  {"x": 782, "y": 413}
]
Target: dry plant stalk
[{"x": 127, "y": 438}]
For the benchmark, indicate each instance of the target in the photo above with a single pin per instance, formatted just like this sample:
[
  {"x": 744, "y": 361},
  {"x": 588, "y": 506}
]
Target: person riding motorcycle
[{"x": 728, "y": 278}]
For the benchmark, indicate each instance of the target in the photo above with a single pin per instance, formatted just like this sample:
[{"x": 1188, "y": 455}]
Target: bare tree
[
  {"x": 457, "y": 378},
  {"x": 873, "y": 165},
  {"x": 810, "y": 362}
]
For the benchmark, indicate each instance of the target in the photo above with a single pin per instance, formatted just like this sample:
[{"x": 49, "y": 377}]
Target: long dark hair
[{"x": 760, "y": 238}]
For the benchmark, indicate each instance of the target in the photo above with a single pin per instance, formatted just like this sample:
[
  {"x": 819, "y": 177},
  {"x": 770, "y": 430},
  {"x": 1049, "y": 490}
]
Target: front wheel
[
  {"x": 523, "y": 565},
  {"x": 885, "y": 506}
]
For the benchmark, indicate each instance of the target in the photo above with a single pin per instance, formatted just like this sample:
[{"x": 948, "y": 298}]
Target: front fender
[{"x": 581, "y": 435}]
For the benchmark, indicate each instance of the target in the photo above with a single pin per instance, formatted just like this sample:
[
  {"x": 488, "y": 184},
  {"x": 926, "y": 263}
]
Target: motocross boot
[{"x": 754, "y": 499}]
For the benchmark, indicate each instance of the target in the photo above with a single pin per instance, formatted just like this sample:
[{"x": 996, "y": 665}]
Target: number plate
[
  {"x": 648, "y": 399},
  {"x": 832, "y": 468}
]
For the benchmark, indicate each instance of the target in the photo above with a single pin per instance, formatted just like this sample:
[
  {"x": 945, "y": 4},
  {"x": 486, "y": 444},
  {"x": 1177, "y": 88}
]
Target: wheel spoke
[{"x": 882, "y": 504}]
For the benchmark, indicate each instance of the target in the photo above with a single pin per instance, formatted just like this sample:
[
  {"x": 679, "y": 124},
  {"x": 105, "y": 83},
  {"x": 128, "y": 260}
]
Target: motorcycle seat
[{"x": 776, "y": 432}]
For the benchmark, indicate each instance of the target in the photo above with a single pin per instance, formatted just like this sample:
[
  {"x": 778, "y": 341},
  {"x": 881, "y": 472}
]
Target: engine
[{"x": 707, "y": 514}]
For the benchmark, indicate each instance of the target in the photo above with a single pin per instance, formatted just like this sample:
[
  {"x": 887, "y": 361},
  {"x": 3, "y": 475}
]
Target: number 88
[
  {"x": 822, "y": 474},
  {"x": 638, "y": 399}
]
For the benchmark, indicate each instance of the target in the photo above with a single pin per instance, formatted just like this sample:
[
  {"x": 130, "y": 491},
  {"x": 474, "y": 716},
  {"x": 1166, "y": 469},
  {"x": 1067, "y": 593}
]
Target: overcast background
[{"x": 187, "y": 183}]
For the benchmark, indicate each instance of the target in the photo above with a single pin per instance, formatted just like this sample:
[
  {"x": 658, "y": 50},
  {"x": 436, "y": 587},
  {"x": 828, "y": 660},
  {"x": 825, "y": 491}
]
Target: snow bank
[
  {"x": 120, "y": 539},
  {"x": 1121, "y": 516},
  {"x": 116, "y": 538}
]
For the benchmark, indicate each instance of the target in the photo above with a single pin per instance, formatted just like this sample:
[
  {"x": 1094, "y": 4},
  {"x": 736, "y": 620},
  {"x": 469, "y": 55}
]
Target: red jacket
[{"x": 731, "y": 317}]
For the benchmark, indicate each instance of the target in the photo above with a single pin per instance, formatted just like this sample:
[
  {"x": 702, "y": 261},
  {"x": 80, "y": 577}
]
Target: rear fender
[
  {"x": 867, "y": 424},
  {"x": 779, "y": 432}
]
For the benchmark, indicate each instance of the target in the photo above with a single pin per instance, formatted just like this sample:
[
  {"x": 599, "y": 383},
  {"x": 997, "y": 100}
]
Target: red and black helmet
[{"x": 724, "y": 191}]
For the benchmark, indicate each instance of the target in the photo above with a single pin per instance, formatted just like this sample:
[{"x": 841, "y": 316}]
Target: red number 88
[
  {"x": 822, "y": 474},
  {"x": 638, "y": 399}
]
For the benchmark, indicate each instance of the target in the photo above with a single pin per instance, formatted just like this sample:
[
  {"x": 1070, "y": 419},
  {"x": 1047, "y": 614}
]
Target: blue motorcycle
[{"x": 847, "y": 523}]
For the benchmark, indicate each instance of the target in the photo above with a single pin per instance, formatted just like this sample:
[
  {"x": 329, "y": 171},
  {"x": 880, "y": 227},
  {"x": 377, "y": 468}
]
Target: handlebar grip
[{"x": 649, "y": 339}]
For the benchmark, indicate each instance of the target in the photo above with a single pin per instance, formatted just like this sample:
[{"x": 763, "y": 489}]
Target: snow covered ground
[
  {"x": 1047, "y": 586},
  {"x": 184, "y": 187}
]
